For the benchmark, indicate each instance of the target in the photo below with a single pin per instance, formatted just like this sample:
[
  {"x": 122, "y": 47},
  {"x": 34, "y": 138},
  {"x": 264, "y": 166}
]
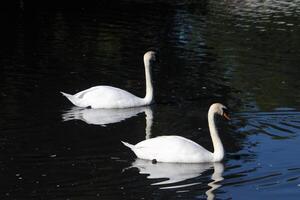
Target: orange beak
[{"x": 226, "y": 116}]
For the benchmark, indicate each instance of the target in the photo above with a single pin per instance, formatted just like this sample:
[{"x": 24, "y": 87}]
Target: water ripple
[{"x": 277, "y": 124}]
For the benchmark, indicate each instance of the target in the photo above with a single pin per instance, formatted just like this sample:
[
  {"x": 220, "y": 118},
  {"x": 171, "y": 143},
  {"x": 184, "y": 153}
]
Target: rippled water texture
[{"x": 244, "y": 54}]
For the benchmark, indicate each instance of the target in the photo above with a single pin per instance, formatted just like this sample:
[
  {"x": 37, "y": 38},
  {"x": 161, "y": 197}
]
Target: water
[{"x": 244, "y": 54}]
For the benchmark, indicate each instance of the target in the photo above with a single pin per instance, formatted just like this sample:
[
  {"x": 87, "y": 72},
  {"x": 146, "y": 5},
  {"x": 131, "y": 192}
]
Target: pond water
[{"x": 244, "y": 54}]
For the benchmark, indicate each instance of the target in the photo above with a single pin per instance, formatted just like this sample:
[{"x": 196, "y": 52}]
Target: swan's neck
[
  {"x": 218, "y": 153},
  {"x": 149, "y": 88}
]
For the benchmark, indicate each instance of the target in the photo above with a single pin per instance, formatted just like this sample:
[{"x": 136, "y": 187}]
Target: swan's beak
[
  {"x": 225, "y": 115},
  {"x": 156, "y": 59}
]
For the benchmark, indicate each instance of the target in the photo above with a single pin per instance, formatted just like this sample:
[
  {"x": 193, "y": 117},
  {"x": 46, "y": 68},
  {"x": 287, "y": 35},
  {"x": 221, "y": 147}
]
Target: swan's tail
[
  {"x": 66, "y": 95},
  {"x": 130, "y": 146},
  {"x": 71, "y": 98}
]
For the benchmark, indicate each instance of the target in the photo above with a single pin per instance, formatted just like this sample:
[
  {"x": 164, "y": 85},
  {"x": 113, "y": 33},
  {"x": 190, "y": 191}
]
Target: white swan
[
  {"x": 181, "y": 150},
  {"x": 111, "y": 97}
]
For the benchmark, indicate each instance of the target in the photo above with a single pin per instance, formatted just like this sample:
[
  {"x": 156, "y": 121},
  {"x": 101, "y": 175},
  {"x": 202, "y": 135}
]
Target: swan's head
[
  {"x": 150, "y": 57},
  {"x": 219, "y": 109}
]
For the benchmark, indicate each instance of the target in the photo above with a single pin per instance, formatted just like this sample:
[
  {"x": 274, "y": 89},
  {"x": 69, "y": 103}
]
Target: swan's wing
[
  {"x": 164, "y": 142},
  {"x": 108, "y": 97},
  {"x": 103, "y": 90},
  {"x": 172, "y": 149}
]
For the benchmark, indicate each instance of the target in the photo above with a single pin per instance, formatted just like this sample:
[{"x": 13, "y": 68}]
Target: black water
[{"x": 244, "y": 54}]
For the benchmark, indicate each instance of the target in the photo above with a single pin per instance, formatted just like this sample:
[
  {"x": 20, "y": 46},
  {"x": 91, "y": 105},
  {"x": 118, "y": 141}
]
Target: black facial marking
[{"x": 225, "y": 110}]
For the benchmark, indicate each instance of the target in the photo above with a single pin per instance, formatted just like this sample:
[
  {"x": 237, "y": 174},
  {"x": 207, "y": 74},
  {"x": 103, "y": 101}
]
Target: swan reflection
[
  {"x": 217, "y": 176},
  {"x": 176, "y": 173},
  {"x": 104, "y": 117}
]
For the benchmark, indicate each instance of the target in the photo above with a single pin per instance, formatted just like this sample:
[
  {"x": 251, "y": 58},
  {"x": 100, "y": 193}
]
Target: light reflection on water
[
  {"x": 271, "y": 139},
  {"x": 244, "y": 54}
]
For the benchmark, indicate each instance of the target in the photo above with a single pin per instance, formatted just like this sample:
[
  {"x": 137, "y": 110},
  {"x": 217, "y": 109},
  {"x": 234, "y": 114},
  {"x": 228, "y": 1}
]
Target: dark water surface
[{"x": 244, "y": 54}]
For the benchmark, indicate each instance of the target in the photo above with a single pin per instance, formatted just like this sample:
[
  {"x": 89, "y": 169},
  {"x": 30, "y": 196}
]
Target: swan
[
  {"x": 178, "y": 149},
  {"x": 111, "y": 97}
]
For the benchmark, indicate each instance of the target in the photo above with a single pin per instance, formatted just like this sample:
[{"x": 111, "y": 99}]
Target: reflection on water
[
  {"x": 104, "y": 117},
  {"x": 180, "y": 175},
  {"x": 216, "y": 177}
]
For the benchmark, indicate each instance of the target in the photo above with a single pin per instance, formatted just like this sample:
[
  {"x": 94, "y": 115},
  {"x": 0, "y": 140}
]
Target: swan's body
[
  {"x": 105, "y": 97},
  {"x": 181, "y": 150},
  {"x": 171, "y": 149},
  {"x": 111, "y": 97}
]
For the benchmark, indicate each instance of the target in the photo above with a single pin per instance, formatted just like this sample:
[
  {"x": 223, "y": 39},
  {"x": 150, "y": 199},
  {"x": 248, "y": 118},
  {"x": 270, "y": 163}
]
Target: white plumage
[
  {"x": 171, "y": 149},
  {"x": 112, "y": 97},
  {"x": 181, "y": 150}
]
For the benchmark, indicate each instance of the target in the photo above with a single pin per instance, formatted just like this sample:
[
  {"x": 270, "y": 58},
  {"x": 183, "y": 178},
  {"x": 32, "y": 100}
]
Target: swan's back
[
  {"x": 172, "y": 149},
  {"x": 107, "y": 97}
]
